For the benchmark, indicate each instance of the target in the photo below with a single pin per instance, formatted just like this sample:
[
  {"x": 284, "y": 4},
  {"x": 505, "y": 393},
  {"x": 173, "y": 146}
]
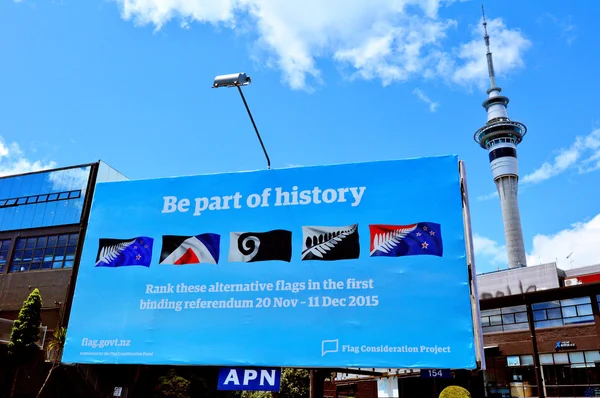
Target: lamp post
[{"x": 238, "y": 80}]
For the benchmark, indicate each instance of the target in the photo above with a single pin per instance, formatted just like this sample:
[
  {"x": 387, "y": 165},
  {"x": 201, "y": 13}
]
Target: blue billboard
[{"x": 358, "y": 265}]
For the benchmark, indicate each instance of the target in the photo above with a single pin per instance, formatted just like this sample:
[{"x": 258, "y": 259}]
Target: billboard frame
[{"x": 476, "y": 337}]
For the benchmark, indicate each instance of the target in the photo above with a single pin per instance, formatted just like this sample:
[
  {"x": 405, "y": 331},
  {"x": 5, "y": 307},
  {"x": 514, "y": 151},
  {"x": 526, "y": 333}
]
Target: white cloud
[
  {"x": 491, "y": 195},
  {"x": 565, "y": 25},
  {"x": 507, "y": 47},
  {"x": 572, "y": 247},
  {"x": 13, "y": 161},
  {"x": 584, "y": 153},
  {"x": 580, "y": 242},
  {"x": 423, "y": 97},
  {"x": 69, "y": 179},
  {"x": 488, "y": 249},
  {"x": 388, "y": 40}
]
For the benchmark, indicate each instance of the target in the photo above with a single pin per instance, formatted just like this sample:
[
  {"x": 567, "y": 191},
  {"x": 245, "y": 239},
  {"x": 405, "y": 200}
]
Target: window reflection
[
  {"x": 562, "y": 312},
  {"x": 4, "y": 247},
  {"x": 43, "y": 199},
  {"x": 504, "y": 319},
  {"x": 44, "y": 252}
]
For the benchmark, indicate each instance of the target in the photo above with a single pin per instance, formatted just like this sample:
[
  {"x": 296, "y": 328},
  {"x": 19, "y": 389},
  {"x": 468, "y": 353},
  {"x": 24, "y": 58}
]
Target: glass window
[
  {"x": 491, "y": 312},
  {"x": 511, "y": 310},
  {"x": 579, "y": 319},
  {"x": 575, "y": 301},
  {"x": 521, "y": 317},
  {"x": 546, "y": 359},
  {"x": 553, "y": 313},
  {"x": 516, "y": 326},
  {"x": 491, "y": 329},
  {"x": 549, "y": 324},
  {"x": 526, "y": 360},
  {"x": 585, "y": 309},
  {"x": 569, "y": 312},
  {"x": 29, "y": 195},
  {"x": 504, "y": 319},
  {"x": 539, "y": 315},
  {"x": 508, "y": 318},
  {"x": 73, "y": 239},
  {"x": 43, "y": 252},
  {"x": 4, "y": 248},
  {"x": 592, "y": 356},
  {"x": 561, "y": 358},
  {"x": 543, "y": 306},
  {"x": 562, "y": 312},
  {"x": 576, "y": 357}
]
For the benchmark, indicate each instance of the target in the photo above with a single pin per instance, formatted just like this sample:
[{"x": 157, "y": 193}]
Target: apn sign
[{"x": 249, "y": 379}]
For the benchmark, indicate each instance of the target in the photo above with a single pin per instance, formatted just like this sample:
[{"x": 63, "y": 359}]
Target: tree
[
  {"x": 57, "y": 344},
  {"x": 25, "y": 333},
  {"x": 172, "y": 385},
  {"x": 295, "y": 383},
  {"x": 455, "y": 392}
]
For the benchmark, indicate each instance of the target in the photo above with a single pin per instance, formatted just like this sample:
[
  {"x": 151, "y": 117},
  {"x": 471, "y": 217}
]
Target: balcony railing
[{"x": 6, "y": 326}]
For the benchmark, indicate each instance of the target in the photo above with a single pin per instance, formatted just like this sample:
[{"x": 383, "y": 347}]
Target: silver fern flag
[
  {"x": 124, "y": 252},
  {"x": 424, "y": 238},
  {"x": 330, "y": 243}
]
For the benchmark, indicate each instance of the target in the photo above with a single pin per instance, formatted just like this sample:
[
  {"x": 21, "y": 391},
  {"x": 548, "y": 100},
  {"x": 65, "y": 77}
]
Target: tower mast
[{"x": 500, "y": 137}]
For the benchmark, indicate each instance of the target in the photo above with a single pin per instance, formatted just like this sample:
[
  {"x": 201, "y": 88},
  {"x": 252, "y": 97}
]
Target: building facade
[
  {"x": 43, "y": 217},
  {"x": 541, "y": 332}
]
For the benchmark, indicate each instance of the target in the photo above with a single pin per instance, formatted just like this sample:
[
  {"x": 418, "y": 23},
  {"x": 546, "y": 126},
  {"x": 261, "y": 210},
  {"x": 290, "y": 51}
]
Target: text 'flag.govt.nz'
[
  {"x": 179, "y": 250},
  {"x": 424, "y": 238},
  {"x": 125, "y": 252}
]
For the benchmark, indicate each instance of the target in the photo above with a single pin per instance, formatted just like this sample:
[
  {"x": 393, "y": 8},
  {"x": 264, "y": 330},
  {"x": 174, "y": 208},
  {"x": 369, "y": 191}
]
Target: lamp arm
[{"x": 255, "y": 129}]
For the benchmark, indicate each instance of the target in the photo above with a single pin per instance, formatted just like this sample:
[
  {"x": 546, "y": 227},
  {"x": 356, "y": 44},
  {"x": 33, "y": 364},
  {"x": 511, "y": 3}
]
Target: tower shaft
[{"x": 515, "y": 246}]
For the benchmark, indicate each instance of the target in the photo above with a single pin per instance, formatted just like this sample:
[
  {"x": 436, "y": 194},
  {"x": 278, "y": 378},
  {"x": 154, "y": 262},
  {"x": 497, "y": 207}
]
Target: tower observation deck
[{"x": 500, "y": 137}]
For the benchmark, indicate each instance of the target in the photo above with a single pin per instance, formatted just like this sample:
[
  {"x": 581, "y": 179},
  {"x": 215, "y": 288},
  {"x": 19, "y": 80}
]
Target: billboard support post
[{"x": 472, "y": 269}]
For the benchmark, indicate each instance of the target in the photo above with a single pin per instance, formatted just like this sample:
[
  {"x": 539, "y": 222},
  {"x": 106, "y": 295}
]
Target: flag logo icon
[
  {"x": 406, "y": 240},
  {"x": 330, "y": 243},
  {"x": 179, "y": 250},
  {"x": 124, "y": 252},
  {"x": 260, "y": 246}
]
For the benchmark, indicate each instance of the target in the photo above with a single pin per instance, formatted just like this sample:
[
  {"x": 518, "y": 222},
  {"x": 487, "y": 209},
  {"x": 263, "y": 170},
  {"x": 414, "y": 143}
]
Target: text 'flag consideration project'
[{"x": 358, "y": 265}]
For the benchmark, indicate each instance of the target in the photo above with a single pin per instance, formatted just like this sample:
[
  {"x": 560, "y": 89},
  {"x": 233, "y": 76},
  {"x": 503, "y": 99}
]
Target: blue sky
[{"x": 128, "y": 82}]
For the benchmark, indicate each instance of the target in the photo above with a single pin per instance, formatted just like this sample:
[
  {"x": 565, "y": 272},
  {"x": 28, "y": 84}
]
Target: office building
[{"x": 43, "y": 218}]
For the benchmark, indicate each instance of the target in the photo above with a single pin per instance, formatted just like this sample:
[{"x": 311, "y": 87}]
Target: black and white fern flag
[
  {"x": 249, "y": 247},
  {"x": 125, "y": 252},
  {"x": 330, "y": 243}
]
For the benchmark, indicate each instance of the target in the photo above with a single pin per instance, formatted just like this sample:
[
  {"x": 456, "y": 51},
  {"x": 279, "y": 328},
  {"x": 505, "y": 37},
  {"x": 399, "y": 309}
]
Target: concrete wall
[
  {"x": 518, "y": 280},
  {"x": 15, "y": 287}
]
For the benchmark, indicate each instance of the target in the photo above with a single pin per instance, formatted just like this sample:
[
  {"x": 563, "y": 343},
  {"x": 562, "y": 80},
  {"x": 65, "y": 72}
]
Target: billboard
[{"x": 358, "y": 265}]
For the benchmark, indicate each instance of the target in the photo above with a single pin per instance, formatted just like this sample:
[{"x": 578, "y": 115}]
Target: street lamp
[{"x": 238, "y": 80}]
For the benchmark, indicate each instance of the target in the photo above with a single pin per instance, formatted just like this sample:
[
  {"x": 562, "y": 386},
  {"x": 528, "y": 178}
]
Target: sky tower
[{"x": 500, "y": 136}]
